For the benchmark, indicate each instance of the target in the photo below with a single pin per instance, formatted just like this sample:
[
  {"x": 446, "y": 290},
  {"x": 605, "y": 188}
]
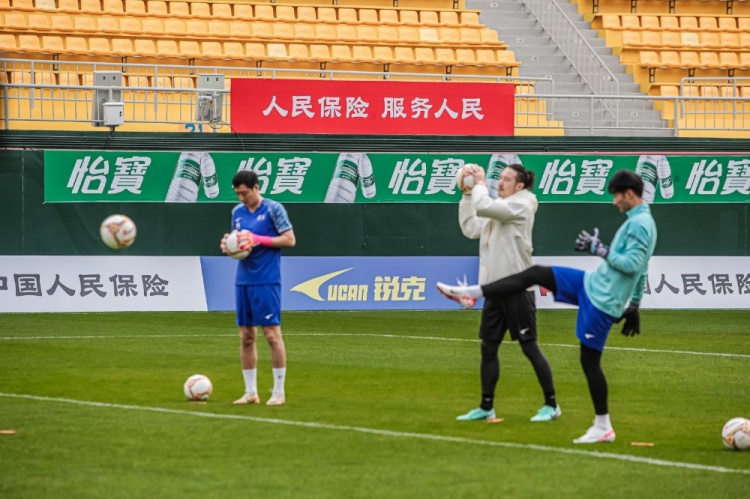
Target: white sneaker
[
  {"x": 276, "y": 400},
  {"x": 248, "y": 399},
  {"x": 455, "y": 293},
  {"x": 595, "y": 434}
]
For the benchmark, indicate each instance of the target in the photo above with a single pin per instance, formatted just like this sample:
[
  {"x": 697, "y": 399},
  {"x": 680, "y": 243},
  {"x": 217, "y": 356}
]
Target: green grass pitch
[{"x": 96, "y": 402}]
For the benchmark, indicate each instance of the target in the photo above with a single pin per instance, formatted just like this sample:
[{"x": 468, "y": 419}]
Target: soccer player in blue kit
[
  {"x": 258, "y": 283},
  {"x": 601, "y": 295}
]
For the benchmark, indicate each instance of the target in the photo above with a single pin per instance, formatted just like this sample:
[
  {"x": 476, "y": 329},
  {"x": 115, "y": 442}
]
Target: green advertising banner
[{"x": 112, "y": 176}]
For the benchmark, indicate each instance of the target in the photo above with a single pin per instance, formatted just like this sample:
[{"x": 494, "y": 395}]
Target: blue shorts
[
  {"x": 258, "y": 304},
  {"x": 592, "y": 325}
]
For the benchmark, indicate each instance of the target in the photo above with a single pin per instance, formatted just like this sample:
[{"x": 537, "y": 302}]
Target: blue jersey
[
  {"x": 263, "y": 266},
  {"x": 622, "y": 276}
]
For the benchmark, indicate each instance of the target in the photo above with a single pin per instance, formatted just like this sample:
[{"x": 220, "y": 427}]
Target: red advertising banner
[{"x": 372, "y": 107}]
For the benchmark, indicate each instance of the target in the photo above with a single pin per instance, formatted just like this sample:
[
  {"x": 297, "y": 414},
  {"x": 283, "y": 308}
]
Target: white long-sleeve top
[{"x": 503, "y": 227}]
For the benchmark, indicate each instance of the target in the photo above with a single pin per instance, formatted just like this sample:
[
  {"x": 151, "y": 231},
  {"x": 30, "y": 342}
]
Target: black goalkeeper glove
[
  {"x": 632, "y": 318},
  {"x": 591, "y": 243}
]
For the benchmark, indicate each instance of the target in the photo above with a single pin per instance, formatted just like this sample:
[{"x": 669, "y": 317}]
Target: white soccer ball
[
  {"x": 736, "y": 434},
  {"x": 464, "y": 177},
  {"x": 117, "y": 231},
  {"x": 239, "y": 244},
  {"x": 198, "y": 387}
]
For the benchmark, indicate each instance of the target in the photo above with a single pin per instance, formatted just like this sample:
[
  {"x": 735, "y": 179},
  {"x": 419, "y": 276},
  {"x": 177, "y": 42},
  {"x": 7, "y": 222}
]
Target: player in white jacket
[{"x": 503, "y": 227}]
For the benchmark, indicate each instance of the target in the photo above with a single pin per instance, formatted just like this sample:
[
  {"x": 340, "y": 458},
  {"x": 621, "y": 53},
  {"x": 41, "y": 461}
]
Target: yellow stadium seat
[
  {"x": 75, "y": 45},
  {"x": 745, "y": 39},
  {"x": 361, "y": 53},
  {"x": 135, "y": 7},
  {"x": 152, "y": 26},
  {"x": 388, "y": 34},
  {"x": 167, "y": 48},
  {"x": 470, "y": 35},
  {"x": 143, "y": 47},
  {"x": 15, "y": 20},
  {"x": 122, "y": 47},
  {"x": 112, "y": 7},
  {"x": 670, "y": 59},
  {"x": 179, "y": 9},
  {"x": 408, "y": 34},
  {"x": 382, "y": 54},
  {"x": 69, "y": 78},
  {"x": 45, "y": 5},
  {"x": 130, "y": 25},
  {"x": 61, "y": 22},
  {"x": 319, "y": 53},
  {"x": 449, "y": 18},
  {"x": 304, "y": 31},
  {"x": 445, "y": 56},
  {"x": 327, "y": 15},
  {"x": 611, "y": 22},
  {"x": 341, "y": 53},
  {"x": 367, "y": 33},
  {"x": 138, "y": 81},
  {"x": 690, "y": 39},
  {"x": 212, "y": 50},
  {"x": 99, "y": 46},
  {"x": 449, "y": 35},
  {"x": 671, "y": 39},
  {"x": 70, "y": 6},
  {"x": 107, "y": 24},
  {"x": 488, "y": 36},
  {"x": 196, "y": 28},
  {"x": 189, "y": 49},
  {"x": 7, "y": 43},
  {"x": 709, "y": 60},
  {"x": 298, "y": 52},
  {"x": 689, "y": 22},
  {"x": 410, "y": 17},
  {"x": 465, "y": 57},
  {"x": 689, "y": 59},
  {"x": 429, "y": 17},
  {"x": 708, "y": 23},
  {"x": 233, "y": 50},
  {"x": 648, "y": 38},
  {"x": 283, "y": 30},
  {"x": 729, "y": 60},
  {"x": 743, "y": 23},
  {"x": 20, "y": 77},
  {"x": 264, "y": 13},
  {"x": 485, "y": 57},
  {"x": 276, "y": 51},
  {"x": 39, "y": 22},
  {"x": 157, "y": 8},
  {"x": 727, "y": 24},
  {"x": 729, "y": 40},
  {"x": 507, "y": 58},
  {"x": 470, "y": 19},
  {"x": 429, "y": 35},
  {"x": 239, "y": 29},
  {"x": 91, "y": 6},
  {"x": 218, "y": 29},
  {"x": 262, "y": 29},
  {"x": 389, "y": 16},
  {"x": 346, "y": 32},
  {"x": 368, "y": 16},
  {"x": 174, "y": 27},
  {"x": 711, "y": 39},
  {"x": 285, "y": 13},
  {"x": 163, "y": 82},
  {"x": 255, "y": 51},
  {"x": 52, "y": 45},
  {"x": 306, "y": 14},
  {"x": 628, "y": 21},
  {"x": 244, "y": 12},
  {"x": 221, "y": 11},
  {"x": 650, "y": 22},
  {"x": 86, "y": 24},
  {"x": 671, "y": 23},
  {"x": 325, "y": 32},
  {"x": 200, "y": 9},
  {"x": 424, "y": 56},
  {"x": 348, "y": 16}
]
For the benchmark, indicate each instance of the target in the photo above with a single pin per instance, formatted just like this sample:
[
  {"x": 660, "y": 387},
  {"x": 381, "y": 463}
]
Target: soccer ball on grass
[
  {"x": 736, "y": 434},
  {"x": 198, "y": 387},
  {"x": 239, "y": 244},
  {"x": 117, "y": 231}
]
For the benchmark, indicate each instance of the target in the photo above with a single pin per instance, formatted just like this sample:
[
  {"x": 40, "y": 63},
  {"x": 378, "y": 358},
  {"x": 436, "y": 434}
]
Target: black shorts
[{"x": 516, "y": 312}]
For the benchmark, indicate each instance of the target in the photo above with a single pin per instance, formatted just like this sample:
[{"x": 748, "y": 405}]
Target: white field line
[
  {"x": 395, "y": 336},
  {"x": 394, "y": 434}
]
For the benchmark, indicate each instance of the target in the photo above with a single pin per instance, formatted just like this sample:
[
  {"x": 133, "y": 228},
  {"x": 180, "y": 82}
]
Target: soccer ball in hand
[
  {"x": 464, "y": 177},
  {"x": 736, "y": 434},
  {"x": 198, "y": 387},
  {"x": 117, "y": 231},
  {"x": 239, "y": 244}
]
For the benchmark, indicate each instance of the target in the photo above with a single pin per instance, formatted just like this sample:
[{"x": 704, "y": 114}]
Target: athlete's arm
[
  {"x": 498, "y": 209},
  {"x": 634, "y": 256}
]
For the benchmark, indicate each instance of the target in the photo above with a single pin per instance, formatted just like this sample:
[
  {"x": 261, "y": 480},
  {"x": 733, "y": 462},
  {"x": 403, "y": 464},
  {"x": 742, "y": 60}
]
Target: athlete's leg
[
  {"x": 536, "y": 274},
  {"x": 591, "y": 363},
  {"x": 542, "y": 369},
  {"x": 489, "y": 372}
]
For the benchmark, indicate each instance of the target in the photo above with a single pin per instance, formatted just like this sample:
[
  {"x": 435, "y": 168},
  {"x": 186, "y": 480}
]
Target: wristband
[{"x": 263, "y": 240}]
